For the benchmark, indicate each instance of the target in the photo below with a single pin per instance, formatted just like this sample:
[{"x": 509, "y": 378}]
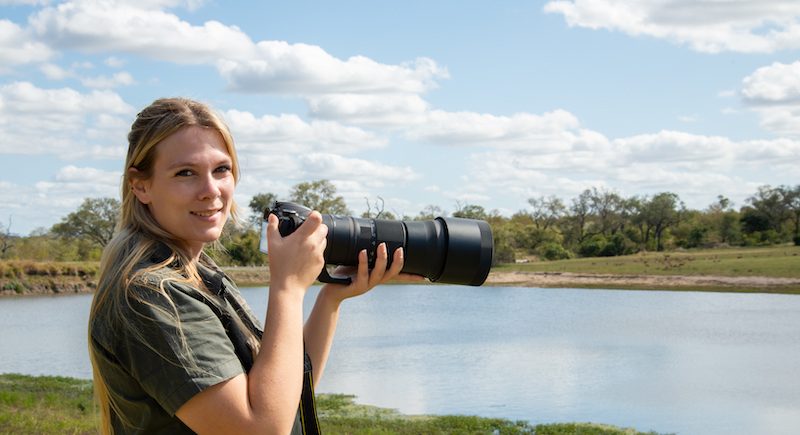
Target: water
[{"x": 683, "y": 362}]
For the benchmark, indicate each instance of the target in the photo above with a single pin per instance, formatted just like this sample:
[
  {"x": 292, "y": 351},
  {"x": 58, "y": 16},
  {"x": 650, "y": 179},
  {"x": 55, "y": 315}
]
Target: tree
[
  {"x": 608, "y": 209},
  {"x": 259, "y": 203},
  {"x": 792, "y": 200},
  {"x": 469, "y": 211},
  {"x": 546, "y": 211},
  {"x": 430, "y": 212},
  {"x": 771, "y": 204},
  {"x": 321, "y": 196},
  {"x": 6, "y": 239},
  {"x": 578, "y": 220},
  {"x": 94, "y": 220},
  {"x": 662, "y": 212},
  {"x": 379, "y": 212}
]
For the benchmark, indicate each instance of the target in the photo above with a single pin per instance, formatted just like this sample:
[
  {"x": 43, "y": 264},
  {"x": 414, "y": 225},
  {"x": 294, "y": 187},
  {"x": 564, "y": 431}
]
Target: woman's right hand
[{"x": 297, "y": 259}]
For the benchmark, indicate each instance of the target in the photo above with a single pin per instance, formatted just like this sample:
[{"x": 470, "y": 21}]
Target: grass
[
  {"x": 58, "y": 405},
  {"x": 774, "y": 261}
]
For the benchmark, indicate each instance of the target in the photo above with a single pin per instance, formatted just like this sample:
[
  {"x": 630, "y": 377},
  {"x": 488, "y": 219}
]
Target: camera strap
[{"x": 307, "y": 409}]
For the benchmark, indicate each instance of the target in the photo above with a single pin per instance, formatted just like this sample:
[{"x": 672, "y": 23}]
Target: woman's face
[{"x": 191, "y": 188}]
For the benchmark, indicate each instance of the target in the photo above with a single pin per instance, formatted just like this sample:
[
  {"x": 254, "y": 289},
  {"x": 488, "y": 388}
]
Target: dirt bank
[
  {"x": 667, "y": 282},
  {"x": 258, "y": 276}
]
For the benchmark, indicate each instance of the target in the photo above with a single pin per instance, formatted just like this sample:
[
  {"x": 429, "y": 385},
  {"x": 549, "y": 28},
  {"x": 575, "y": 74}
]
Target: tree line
[{"x": 598, "y": 222}]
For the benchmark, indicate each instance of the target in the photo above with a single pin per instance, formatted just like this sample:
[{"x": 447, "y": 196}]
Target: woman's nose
[{"x": 210, "y": 187}]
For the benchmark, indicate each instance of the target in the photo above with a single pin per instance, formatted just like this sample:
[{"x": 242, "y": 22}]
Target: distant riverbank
[{"x": 767, "y": 270}]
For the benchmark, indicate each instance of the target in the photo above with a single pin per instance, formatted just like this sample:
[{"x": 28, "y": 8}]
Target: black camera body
[{"x": 447, "y": 250}]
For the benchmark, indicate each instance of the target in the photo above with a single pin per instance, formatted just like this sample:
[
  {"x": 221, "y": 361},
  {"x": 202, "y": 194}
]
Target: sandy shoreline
[
  {"x": 676, "y": 282},
  {"x": 258, "y": 276}
]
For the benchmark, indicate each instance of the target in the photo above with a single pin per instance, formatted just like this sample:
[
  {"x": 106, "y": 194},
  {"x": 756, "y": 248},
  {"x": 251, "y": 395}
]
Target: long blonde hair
[{"x": 138, "y": 234}]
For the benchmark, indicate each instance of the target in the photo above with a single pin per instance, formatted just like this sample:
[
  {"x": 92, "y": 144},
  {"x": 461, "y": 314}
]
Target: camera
[{"x": 446, "y": 249}]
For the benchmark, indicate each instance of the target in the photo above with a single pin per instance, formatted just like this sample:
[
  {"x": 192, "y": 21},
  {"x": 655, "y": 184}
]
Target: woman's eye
[
  {"x": 223, "y": 168},
  {"x": 184, "y": 173}
]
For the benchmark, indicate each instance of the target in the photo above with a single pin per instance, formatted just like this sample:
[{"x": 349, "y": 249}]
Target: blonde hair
[{"x": 137, "y": 233}]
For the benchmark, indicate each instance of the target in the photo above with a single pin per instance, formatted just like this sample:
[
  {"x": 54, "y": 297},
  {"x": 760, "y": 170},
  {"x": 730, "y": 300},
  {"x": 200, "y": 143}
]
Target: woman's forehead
[{"x": 192, "y": 144}]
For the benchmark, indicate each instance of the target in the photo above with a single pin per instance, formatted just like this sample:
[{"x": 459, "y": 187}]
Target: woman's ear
[{"x": 139, "y": 185}]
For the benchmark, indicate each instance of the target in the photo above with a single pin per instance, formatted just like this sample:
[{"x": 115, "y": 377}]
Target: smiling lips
[{"x": 206, "y": 213}]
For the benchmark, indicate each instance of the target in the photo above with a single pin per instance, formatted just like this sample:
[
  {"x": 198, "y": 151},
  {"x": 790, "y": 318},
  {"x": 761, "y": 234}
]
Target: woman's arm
[
  {"x": 265, "y": 400},
  {"x": 321, "y": 324}
]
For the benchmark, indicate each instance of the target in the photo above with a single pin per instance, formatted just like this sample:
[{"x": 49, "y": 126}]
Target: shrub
[
  {"x": 592, "y": 247},
  {"x": 554, "y": 251},
  {"x": 618, "y": 245}
]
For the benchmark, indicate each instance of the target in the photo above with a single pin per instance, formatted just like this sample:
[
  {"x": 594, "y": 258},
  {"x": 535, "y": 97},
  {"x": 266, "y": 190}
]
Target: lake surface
[{"x": 682, "y": 362}]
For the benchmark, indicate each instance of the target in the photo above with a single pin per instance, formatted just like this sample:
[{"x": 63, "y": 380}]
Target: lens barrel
[{"x": 447, "y": 250}]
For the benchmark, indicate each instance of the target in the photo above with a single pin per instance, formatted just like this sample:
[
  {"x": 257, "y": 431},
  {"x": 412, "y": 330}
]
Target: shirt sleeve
[{"x": 176, "y": 349}]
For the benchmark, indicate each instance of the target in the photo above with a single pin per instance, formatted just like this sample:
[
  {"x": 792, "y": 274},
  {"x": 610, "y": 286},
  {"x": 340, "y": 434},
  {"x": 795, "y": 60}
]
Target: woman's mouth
[{"x": 205, "y": 213}]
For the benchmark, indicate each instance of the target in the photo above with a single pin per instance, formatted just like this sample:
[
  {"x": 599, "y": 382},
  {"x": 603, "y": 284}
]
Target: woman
[{"x": 174, "y": 348}]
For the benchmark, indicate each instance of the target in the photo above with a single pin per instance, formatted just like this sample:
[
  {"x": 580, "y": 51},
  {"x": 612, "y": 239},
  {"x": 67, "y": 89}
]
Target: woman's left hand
[{"x": 363, "y": 279}]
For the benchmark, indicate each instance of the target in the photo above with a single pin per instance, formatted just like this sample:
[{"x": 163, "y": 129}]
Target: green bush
[
  {"x": 593, "y": 246},
  {"x": 554, "y": 251}
]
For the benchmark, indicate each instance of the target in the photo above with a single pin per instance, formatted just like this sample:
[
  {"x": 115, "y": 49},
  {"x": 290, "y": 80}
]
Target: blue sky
[{"x": 420, "y": 103}]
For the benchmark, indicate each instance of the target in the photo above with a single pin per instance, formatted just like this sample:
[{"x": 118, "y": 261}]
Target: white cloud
[
  {"x": 62, "y": 121},
  {"x": 23, "y": 2},
  {"x": 385, "y": 110},
  {"x": 290, "y": 134},
  {"x": 705, "y": 25},
  {"x": 774, "y": 84},
  {"x": 334, "y": 166},
  {"x": 32, "y": 206},
  {"x": 105, "y": 82},
  {"x": 354, "y": 178},
  {"x": 115, "y": 62},
  {"x": 773, "y": 92},
  {"x": 551, "y": 132},
  {"x": 18, "y": 47},
  {"x": 55, "y": 72},
  {"x": 137, "y": 28},
  {"x": 266, "y": 66},
  {"x": 303, "y": 69},
  {"x": 676, "y": 148},
  {"x": 695, "y": 166}
]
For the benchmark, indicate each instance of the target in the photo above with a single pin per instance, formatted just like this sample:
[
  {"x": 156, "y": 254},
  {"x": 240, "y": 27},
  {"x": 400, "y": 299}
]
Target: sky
[{"x": 417, "y": 103}]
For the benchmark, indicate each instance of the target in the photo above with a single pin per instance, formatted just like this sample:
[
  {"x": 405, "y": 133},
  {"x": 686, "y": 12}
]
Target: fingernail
[{"x": 401, "y": 252}]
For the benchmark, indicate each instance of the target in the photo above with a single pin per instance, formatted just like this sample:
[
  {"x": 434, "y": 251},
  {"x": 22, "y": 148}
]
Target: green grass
[
  {"x": 58, "y": 405},
  {"x": 775, "y": 261},
  {"x": 45, "y": 405}
]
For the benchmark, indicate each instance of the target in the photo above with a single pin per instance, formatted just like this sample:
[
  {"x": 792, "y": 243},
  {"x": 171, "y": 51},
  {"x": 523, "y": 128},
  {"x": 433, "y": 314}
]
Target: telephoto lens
[{"x": 445, "y": 249}]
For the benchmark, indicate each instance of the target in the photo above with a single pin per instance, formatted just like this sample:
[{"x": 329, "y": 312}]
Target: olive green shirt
[{"x": 152, "y": 369}]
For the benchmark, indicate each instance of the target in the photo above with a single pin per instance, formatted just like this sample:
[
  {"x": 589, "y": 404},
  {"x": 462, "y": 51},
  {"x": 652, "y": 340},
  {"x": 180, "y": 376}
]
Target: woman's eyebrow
[{"x": 191, "y": 163}]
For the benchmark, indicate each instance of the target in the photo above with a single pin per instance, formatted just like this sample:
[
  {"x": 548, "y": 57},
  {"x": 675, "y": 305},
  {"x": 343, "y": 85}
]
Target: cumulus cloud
[
  {"x": 774, "y": 84},
  {"x": 382, "y": 110},
  {"x": 773, "y": 92},
  {"x": 354, "y": 178},
  {"x": 32, "y": 206},
  {"x": 704, "y": 25},
  {"x": 18, "y": 47},
  {"x": 640, "y": 164},
  {"x": 146, "y": 29},
  {"x": 303, "y": 69},
  {"x": 551, "y": 131},
  {"x": 106, "y": 82},
  {"x": 135, "y": 27},
  {"x": 289, "y": 134},
  {"x": 61, "y": 121}
]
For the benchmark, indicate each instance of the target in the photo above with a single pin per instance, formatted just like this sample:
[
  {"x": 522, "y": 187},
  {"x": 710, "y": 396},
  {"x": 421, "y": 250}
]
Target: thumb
[{"x": 272, "y": 227}]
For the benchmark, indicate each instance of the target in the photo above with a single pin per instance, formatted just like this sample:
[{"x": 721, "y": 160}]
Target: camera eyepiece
[{"x": 447, "y": 250}]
